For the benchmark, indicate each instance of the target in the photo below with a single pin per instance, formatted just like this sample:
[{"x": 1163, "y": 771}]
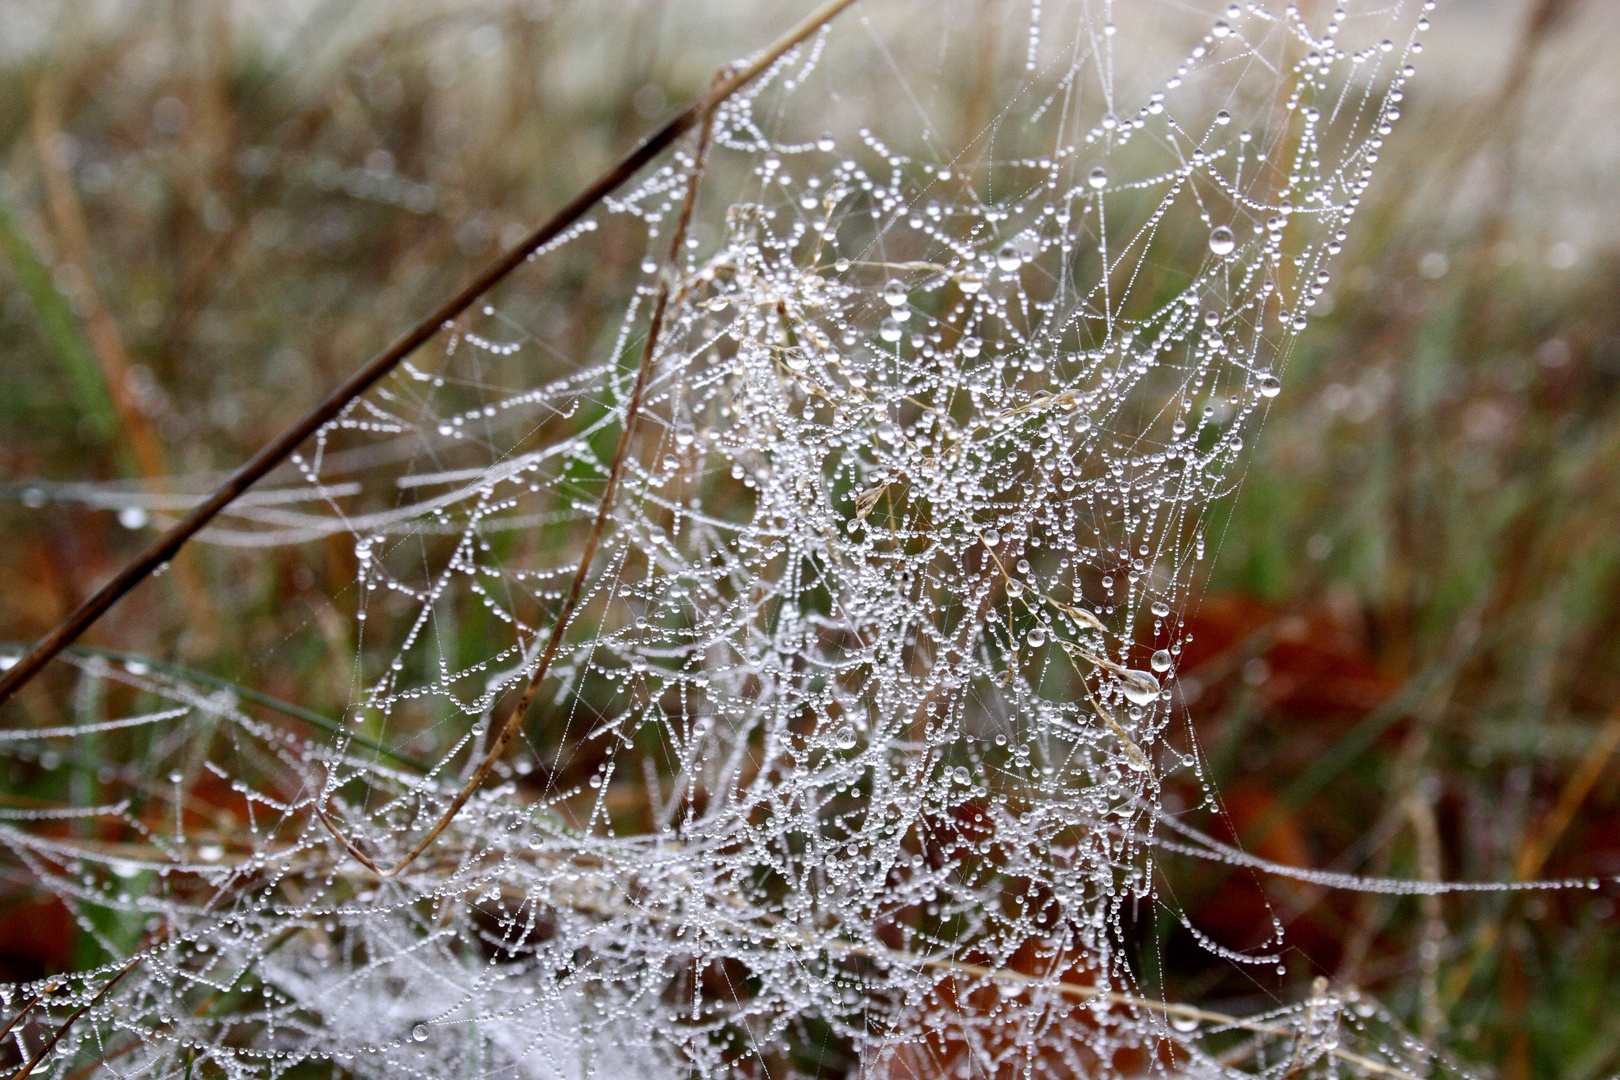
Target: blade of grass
[
  {"x": 59, "y": 326},
  {"x": 100, "y": 329}
]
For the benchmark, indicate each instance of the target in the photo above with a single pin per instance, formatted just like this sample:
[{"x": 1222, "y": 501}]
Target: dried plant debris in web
[{"x": 853, "y": 743}]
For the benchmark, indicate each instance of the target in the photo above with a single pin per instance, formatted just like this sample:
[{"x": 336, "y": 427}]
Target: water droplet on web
[
  {"x": 1270, "y": 386},
  {"x": 649, "y": 266},
  {"x": 890, "y": 329},
  {"x": 1221, "y": 240},
  {"x": 991, "y": 538},
  {"x": 1015, "y": 588},
  {"x": 420, "y": 1032},
  {"x": 1221, "y": 28},
  {"x": 826, "y": 144},
  {"x": 1139, "y": 687},
  {"x": 1036, "y": 638},
  {"x": 1008, "y": 259},
  {"x": 1098, "y": 177},
  {"x": 1161, "y": 609},
  {"x": 971, "y": 347},
  {"x": 895, "y": 294},
  {"x": 1184, "y": 1024},
  {"x": 1161, "y": 660},
  {"x": 132, "y": 517},
  {"x": 970, "y": 281}
]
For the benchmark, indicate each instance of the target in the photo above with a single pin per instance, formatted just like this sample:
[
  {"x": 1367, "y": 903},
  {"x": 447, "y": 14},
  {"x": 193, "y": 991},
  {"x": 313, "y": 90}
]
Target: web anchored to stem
[{"x": 791, "y": 620}]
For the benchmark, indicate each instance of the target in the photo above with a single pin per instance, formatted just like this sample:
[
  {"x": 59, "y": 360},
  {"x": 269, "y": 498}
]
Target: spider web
[{"x": 854, "y": 746}]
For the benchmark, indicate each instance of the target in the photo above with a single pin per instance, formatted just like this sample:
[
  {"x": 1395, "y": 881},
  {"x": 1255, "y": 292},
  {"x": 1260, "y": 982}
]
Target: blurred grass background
[{"x": 1405, "y": 660}]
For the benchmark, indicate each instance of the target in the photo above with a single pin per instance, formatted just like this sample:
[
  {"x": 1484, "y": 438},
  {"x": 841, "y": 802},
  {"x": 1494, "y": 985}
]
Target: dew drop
[
  {"x": 132, "y": 517},
  {"x": 1221, "y": 240},
  {"x": 844, "y": 738},
  {"x": 1098, "y": 177},
  {"x": 826, "y": 144},
  {"x": 1008, "y": 259},
  {"x": 1161, "y": 660},
  {"x": 890, "y": 330},
  {"x": 1270, "y": 385},
  {"x": 894, "y": 293},
  {"x": 1184, "y": 1024},
  {"x": 970, "y": 281},
  {"x": 420, "y": 1032},
  {"x": 1161, "y": 609},
  {"x": 1140, "y": 687},
  {"x": 1036, "y": 638}
]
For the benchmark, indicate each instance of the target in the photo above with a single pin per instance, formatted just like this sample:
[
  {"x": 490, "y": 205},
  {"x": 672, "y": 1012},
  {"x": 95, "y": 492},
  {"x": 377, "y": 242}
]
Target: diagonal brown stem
[
  {"x": 28, "y": 1007},
  {"x": 277, "y": 450},
  {"x": 514, "y": 720},
  {"x": 80, "y": 1011}
]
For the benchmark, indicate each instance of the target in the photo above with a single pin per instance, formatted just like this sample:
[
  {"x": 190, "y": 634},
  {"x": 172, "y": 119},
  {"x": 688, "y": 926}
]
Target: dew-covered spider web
[{"x": 851, "y": 756}]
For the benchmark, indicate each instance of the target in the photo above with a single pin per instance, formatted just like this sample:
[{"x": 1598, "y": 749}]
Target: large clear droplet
[
  {"x": 970, "y": 281},
  {"x": 1160, "y": 609},
  {"x": 894, "y": 293},
  {"x": 1008, "y": 258},
  {"x": 420, "y": 1032},
  {"x": 1098, "y": 177},
  {"x": 1270, "y": 385},
  {"x": 1221, "y": 240},
  {"x": 1036, "y": 638},
  {"x": 132, "y": 517},
  {"x": 1140, "y": 687},
  {"x": 890, "y": 330},
  {"x": 1161, "y": 660},
  {"x": 826, "y": 143},
  {"x": 844, "y": 739}
]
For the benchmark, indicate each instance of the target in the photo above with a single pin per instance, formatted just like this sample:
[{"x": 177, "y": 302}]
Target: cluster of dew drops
[{"x": 885, "y": 621}]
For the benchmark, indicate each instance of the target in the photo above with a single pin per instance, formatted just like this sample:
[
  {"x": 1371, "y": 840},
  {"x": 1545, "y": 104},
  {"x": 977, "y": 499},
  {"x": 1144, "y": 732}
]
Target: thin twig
[
  {"x": 129, "y": 966},
  {"x": 514, "y": 720},
  {"x": 50, "y": 988},
  {"x": 277, "y": 450}
]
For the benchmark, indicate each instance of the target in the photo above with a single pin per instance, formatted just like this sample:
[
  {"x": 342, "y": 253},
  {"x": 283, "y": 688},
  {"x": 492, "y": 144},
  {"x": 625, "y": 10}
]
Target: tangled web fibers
[{"x": 851, "y": 755}]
